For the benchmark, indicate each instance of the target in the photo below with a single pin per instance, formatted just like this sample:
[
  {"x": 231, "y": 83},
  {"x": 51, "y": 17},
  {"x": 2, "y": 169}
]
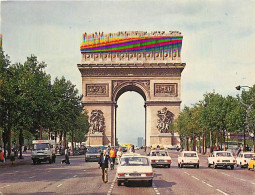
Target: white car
[
  {"x": 134, "y": 168},
  {"x": 188, "y": 158},
  {"x": 243, "y": 159},
  {"x": 160, "y": 157},
  {"x": 221, "y": 159}
]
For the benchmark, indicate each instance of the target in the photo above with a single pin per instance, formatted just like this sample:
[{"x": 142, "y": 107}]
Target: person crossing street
[
  {"x": 112, "y": 154},
  {"x": 103, "y": 162}
]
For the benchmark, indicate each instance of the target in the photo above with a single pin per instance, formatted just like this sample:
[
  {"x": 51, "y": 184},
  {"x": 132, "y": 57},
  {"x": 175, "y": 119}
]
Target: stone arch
[{"x": 141, "y": 87}]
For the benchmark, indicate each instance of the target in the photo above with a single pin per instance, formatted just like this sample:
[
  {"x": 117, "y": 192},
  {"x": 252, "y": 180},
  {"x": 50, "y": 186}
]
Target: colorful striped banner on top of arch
[{"x": 133, "y": 43}]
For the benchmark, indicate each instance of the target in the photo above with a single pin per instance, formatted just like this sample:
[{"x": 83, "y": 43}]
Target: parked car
[
  {"x": 134, "y": 168},
  {"x": 243, "y": 159},
  {"x": 251, "y": 164},
  {"x": 188, "y": 158},
  {"x": 93, "y": 154},
  {"x": 160, "y": 158},
  {"x": 221, "y": 159}
]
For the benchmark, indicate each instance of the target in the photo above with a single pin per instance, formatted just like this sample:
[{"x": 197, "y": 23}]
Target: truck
[{"x": 43, "y": 151}]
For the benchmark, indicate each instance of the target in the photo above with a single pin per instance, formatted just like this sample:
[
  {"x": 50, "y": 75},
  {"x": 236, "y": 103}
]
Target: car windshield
[
  {"x": 224, "y": 154},
  {"x": 93, "y": 150},
  {"x": 190, "y": 155},
  {"x": 158, "y": 153},
  {"x": 247, "y": 155},
  {"x": 41, "y": 146},
  {"x": 134, "y": 161}
]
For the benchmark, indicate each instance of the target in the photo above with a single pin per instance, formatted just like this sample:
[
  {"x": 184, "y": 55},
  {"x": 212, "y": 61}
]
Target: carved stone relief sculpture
[
  {"x": 165, "y": 119},
  {"x": 165, "y": 89},
  {"x": 97, "y": 89},
  {"x": 97, "y": 121}
]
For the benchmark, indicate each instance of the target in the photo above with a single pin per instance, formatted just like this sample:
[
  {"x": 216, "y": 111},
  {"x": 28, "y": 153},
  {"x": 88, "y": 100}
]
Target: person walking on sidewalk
[
  {"x": 2, "y": 157},
  {"x": 103, "y": 162},
  {"x": 112, "y": 155}
]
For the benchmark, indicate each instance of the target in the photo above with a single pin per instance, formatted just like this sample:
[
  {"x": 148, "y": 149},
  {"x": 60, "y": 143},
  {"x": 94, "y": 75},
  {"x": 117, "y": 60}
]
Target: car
[
  {"x": 221, "y": 159},
  {"x": 134, "y": 168},
  {"x": 93, "y": 154},
  {"x": 173, "y": 147},
  {"x": 160, "y": 158},
  {"x": 243, "y": 159},
  {"x": 154, "y": 147},
  {"x": 124, "y": 149},
  {"x": 189, "y": 158},
  {"x": 251, "y": 164}
]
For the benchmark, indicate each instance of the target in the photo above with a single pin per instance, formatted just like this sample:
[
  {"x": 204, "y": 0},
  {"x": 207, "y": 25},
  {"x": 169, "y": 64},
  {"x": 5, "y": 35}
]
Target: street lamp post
[{"x": 248, "y": 109}]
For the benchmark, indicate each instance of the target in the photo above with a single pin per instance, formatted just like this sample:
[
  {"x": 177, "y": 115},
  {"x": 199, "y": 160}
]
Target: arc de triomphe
[{"x": 147, "y": 63}]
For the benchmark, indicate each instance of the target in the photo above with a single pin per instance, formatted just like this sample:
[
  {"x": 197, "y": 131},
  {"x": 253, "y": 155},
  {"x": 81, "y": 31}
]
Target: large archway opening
[{"x": 130, "y": 116}]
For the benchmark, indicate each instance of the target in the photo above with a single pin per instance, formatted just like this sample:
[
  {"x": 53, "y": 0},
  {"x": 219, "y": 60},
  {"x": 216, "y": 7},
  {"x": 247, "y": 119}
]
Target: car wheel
[
  {"x": 214, "y": 166},
  {"x": 254, "y": 167},
  {"x": 248, "y": 167},
  {"x": 232, "y": 167},
  {"x": 178, "y": 165},
  {"x": 198, "y": 166},
  {"x": 34, "y": 162},
  {"x": 119, "y": 183},
  {"x": 150, "y": 183},
  {"x": 181, "y": 166},
  {"x": 50, "y": 161},
  {"x": 209, "y": 165},
  {"x": 169, "y": 166}
]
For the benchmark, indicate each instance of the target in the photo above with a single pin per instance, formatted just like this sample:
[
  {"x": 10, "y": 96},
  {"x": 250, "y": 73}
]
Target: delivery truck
[{"x": 43, "y": 151}]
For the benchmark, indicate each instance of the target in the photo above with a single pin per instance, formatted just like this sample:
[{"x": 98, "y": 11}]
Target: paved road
[{"x": 85, "y": 178}]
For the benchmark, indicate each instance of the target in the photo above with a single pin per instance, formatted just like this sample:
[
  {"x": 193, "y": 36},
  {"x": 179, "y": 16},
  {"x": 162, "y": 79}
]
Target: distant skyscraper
[{"x": 140, "y": 141}]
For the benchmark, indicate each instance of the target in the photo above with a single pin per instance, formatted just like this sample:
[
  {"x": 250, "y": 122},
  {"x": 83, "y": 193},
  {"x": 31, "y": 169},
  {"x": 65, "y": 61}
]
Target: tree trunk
[
  {"x": 224, "y": 140},
  {"x": 9, "y": 143},
  {"x": 244, "y": 142},
  {"x": 72, "y": 143},
  {"x": 40, "y": 132},
  {"x": 199, "y": 144},
  {"x": 211, "y": 145},
  {"x": 187, "y": 143},
  {"x": 64, "y": 140},
  {"x": 221, "y": 134},
  {"x": 217, "y": 139},
  {"x": 204, "y": 142},
  {"x": 60, "y": 139},
  {"x": 194, "y": 143},
  {"x": 49, "y": 137},
  {"x": 21, "y": 140},
  {"x": 253, "y": 141}
]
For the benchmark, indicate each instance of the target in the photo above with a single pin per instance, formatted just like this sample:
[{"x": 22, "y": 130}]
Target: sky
[{"x": 218, "y": 42}]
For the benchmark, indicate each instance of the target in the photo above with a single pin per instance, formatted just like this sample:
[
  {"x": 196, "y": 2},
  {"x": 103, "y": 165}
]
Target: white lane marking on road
[
  {"x": 31, "y": 177},
  {"x": 209, "y": 185},
  {"x": 75, "y": 176},
  {"x": 155, "y": 188},
  {"x": 195, "y": 178},
  {"x": 253, "y": 183},
  {"x": 221, "y": 192},
  {"x": 59, "y": 185},
  {"x": 186, "y": 173},
  {"x": 225, "y": 174},
  {"x": 5, "y": 186},
  {"x": 242, "y": 179},
  {"x": 1, "y": 193}
]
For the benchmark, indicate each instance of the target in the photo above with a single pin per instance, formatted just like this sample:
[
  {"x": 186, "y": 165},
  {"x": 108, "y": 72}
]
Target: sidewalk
[{"x": 25, "y": 161}]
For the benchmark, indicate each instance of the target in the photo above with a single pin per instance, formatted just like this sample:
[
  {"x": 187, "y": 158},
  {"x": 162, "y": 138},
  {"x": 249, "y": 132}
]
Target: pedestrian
[
  {"x": 12, "y": 155},
  {"x": 119, "y": 155},
  {"x": 2, "y": 159},
  {"x": 103, "y": 162},
  {"x": 66, "y": 160},
  {"x": 112, "y": 154},
  {"x": 238, "y": 151}
]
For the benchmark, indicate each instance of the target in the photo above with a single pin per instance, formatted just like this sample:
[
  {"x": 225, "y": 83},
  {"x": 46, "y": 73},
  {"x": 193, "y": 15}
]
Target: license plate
[
  {"x": 226, "y": 161},
  {"x": 134, "y": 174},
  {"x": 41, "y": 158},
  {"x": 161, "y": 161}
]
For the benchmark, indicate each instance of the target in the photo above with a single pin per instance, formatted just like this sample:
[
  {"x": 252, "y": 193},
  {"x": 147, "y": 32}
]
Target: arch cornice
[{"x": 121, "y": 86}]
